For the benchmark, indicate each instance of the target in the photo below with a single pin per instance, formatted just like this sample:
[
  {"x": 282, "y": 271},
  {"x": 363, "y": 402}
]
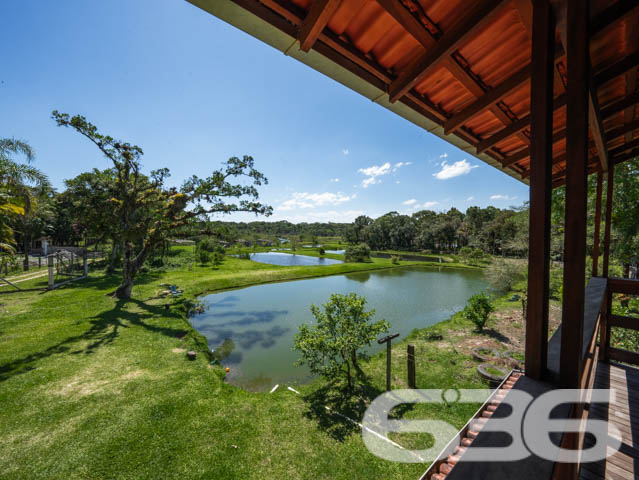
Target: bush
[
  {"x": 478, "y": 310},
  {"x": 358, "y": 253},
  {"x": 322, "y": 252},
  {"x": 395, "y": 259},
  {"x": 203, "y": 256},
  {"x": 504, "y": 274}
]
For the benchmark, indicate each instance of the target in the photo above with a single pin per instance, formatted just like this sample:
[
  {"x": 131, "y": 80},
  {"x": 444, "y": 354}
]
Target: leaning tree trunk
[{"x": 131, "y": 265}]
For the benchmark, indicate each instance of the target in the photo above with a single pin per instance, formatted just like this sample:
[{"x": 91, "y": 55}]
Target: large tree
[{"x": 147, "y": 212}]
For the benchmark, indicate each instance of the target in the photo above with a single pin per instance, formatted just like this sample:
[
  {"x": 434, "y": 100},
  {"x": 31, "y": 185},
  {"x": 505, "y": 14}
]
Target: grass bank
[{"x": 93, "y": 387}]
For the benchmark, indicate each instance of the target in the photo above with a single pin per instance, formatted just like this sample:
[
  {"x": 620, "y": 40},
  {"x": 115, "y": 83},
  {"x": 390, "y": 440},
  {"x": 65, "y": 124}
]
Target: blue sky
[{"x": 192, "y": 91}]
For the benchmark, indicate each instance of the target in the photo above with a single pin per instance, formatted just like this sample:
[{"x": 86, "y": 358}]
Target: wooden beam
[
  {"x": 622, "y": 130},
  {"x": 478, "y": 17},
  {"x": 622, "y": 66},
  {"x": 596, "y": 125},
  {"x": 597, "y": 234},
  {"x": 317, "y": 18},
  {"x": 474, "y": 87},
  {"x": 609, "y": 198},
  {"x": 408, "y": 21},
  {"x": 516, "y": 126},
  {"x": 541, "y": 101},
  {"x": 610, "y": 16},
  {"x": 624, "y": 148},
  {"x": 626, "y": 156},
  {"x": 627, "y": 102},
  {"x": 489, "y": 98},
  {"x": 576, "y": 42}
]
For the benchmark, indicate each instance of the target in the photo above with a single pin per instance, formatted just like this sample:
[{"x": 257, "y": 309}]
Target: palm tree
[{"x": 19, "y": 183}]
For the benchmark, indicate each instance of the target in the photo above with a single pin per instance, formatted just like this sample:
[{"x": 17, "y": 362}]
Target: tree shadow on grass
[
  {"x": 340, "y": 400},
  {"x": 496, "y": 335},
  {"x": 104, "y": 329},
  {"x": 108, "y": 281}
]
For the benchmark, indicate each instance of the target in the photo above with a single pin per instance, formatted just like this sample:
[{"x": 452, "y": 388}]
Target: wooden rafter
[
  {"x": 450, "y": 41},
  {"x": 622, "y": 66},
  {"x": 626, "y": 156},
  {"x": 624, "y": 103},
  {"x": 514, "y": 127},
  {"x": 609, "y": 17},
  {"x": 318, "y": 16},
  {"x": 409, "y": 22},
  {"x": 622, "y": 130},
  {"x": 624, "y": 148},
  {"x": 489, "y": 98}
]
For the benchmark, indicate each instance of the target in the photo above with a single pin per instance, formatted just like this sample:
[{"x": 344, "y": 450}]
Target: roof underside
[{"x": 459, "y": 69}]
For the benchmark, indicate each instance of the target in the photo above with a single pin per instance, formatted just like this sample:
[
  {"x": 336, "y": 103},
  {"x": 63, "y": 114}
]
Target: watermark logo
[{"x": 529, "y": 426}]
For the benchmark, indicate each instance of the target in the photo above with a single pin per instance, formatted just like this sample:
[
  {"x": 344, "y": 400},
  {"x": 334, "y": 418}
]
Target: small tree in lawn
[
  {"x": 343, "y": 327},
  {"x": 147, "y": 212},
  {"x": 478, "y": 310}
]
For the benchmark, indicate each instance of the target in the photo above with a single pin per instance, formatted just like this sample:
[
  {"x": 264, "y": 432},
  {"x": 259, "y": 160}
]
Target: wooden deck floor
[{"x": 624, "y": 413}]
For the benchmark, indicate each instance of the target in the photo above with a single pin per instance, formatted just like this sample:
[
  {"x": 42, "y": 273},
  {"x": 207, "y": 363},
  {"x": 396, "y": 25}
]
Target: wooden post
[
  {"x": 86, "y": 264},
  {"x": 387, "y": 340},
  {"x": 595, "y": 246},
  {"x": 541, "y": 101},
  {"x": 577, "y": 91},
  {"x": 51, "y": 274},
  {"x": 610, "y": 189},
  {"x": 411, "y": 365}
]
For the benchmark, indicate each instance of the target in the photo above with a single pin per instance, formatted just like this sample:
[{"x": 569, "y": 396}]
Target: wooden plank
[
  {"x": 489, "y": 98},
  {"x": 609, "y": 17},
  {"x": 411, "y": 24},
  {"x": 577, "y": 92},
  {"x": 609, "y": 199},
  {"x": 623, "y": 355},
  {"x": 597, "y": 233},
  {"x": 479, "y": 16},
  {"x": 541, "y": 123},
  {"x": 624, "y": 322},
  {"x": 317, "y": 18},
  {"x": 624, "y": 285}
]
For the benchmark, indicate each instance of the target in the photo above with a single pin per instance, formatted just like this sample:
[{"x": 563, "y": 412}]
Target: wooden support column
[
  {"x": 541, "y": 101},
  {"x": 577, "y": 92},
  {"x": 595, "y": 246},
  {"x": 610, "y": 188}
]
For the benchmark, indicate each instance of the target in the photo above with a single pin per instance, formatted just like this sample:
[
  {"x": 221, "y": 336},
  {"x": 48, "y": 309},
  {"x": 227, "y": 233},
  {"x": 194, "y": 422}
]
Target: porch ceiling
[{"x": 459, "y": 69}]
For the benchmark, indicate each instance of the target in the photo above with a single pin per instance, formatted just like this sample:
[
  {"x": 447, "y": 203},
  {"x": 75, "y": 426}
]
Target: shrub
[
  {"x": 395, "y": 259},
  {"x": 322, "y": 252},
  {"x": 358, "y": 253},
  {"x": 478, "y": 310},
  {"x": 203, "y": 256},
  {"x": 504, "y": 274}
]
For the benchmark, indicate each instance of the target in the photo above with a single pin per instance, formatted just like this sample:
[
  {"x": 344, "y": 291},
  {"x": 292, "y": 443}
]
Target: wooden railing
[{"x": 607, "y": 352}]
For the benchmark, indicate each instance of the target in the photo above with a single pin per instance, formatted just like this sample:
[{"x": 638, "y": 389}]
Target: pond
[
  {"x": 288, "y": 260},
  {"x": 336, "y": 252},
  {"x": 253, "y": 328}
]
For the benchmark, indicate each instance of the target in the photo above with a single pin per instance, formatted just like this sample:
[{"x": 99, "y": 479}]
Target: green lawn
[{"x": 91, "y": 387}]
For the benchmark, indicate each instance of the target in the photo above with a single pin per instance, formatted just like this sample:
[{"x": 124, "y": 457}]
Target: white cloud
[
  {"x": 345, "y": 151},
  {"x": 470, "y": 199},
  {"x": 313, "y": 200},
  {"x": 454, "y": 170},
  {"x": 399, "y": 165},
  {"x": 443, "y": 155},
  {"x": 430, "y": 204},
  {"x": 409, "y": 202},
  {"x": 501, "y": 197},
  {"x": 341, "y": 216},
  {"x": 373, "y": 172},
  {"x": 334, "y": 180}
]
